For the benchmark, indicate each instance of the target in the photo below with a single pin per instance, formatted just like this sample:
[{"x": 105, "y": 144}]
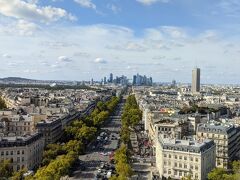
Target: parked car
[{"x": 109, "y": 174}]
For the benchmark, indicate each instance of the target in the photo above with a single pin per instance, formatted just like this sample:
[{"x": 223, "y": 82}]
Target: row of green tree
[
  {"x": 123, "y": 168},
  {"x": 130, "y": 118},
  {"x": 57, "y": 168},
  {"x": 58, "y": 158}
]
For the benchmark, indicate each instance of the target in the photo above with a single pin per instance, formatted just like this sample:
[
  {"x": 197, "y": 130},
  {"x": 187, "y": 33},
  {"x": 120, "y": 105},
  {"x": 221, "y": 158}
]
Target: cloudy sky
[{"x": 81, "y": 39}]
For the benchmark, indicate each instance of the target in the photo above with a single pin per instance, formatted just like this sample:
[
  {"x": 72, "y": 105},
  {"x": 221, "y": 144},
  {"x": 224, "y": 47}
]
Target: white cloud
[
  {"x": 114, "y": 8},
  {"x": 86, "y": 3},
  {"x": 135, "y": 47},
  {"x": 27, "y": 71},
  {"x": 58, "y": 44},
  {"x": 20, "y": 9},
  {"x": 150, "y": 2},
  {"x": 162, "y": 32},
  {"x": 230, "y": 8},
  {"x": 139, "y": 52},
  {"x": 64, "y": 59},
  {"x": 25, "y": 27},
  {"x": 81, "y": 54},
  {"x": 174, "y": 32},
  {"x": 129, "y": 46},
  {"x": 18, "y": 27},
  {"x": 100, "y": 61},
  {"x": 32, "y": 1},
  {"x": 153, "y": 33},
  {"x": 209, "y": 35},
  {"x": 6, "y": 56},
  {"x": 159, "y": 57}
]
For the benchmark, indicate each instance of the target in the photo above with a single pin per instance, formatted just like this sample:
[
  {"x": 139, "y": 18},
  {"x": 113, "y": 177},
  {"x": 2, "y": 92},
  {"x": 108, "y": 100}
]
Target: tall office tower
[
  {"x": 139, "y": 80},
  {"x": 105, "y": 80},
  {"x": 134, "y": 80},
  {"x": 196, "y": 80},
  {"x": 111, "y": 78},
  {"x": 117, "y": 80},
  {"x": 174, "y": 83},
  {"x": 151, "y": 81}
]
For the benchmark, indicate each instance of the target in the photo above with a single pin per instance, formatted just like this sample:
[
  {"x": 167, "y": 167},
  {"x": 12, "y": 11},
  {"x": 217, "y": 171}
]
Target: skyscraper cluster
[
  {"x": 122, "y": 80},
  {"x": 139, "y": 80}
]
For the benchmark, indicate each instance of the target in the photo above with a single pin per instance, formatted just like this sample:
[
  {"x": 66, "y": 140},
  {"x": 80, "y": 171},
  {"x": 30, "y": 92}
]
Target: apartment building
[
  {"x": 23, "y": 101},
  {"x": 175, "y": 127},
  {"x": 51, "y": 130},
  {"x": 179, "y": 158},
  {"x": 226, "y": 138},
  {"x": 18, "y": 124},
  {"x": 39, "y": 100},
  {"x": 24, "y": 152},
  {"x": 193, "y": 121}
]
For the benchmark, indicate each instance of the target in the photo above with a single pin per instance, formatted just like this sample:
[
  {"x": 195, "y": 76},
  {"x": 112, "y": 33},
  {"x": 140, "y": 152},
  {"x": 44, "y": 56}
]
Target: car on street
[{"x": 109, "y": 174}]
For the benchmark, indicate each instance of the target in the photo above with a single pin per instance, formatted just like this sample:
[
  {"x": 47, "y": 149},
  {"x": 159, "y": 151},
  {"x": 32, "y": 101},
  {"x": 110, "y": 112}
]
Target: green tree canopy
[
  {"x": 5, "y": 169},
  {"x": 100, "y": 118},
  {"x": 123, "y": 167},
  {"x": 223, "y": 174},
  {"x": 51, "y": 152},
  {"x": 74, "y": 146},
  {"x": 57, "y": 168},
  {"x": 18, "y": 175},
  {"x": 2, "y": 104},
  {"x": 86, "y": 133}
]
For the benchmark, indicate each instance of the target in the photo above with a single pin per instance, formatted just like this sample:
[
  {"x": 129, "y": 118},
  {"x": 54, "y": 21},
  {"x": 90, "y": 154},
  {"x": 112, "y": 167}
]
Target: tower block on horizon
[{"x": 196, "y": 81}]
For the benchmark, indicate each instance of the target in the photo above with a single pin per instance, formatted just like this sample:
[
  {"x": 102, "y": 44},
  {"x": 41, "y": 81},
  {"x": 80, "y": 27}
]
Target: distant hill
[
  {"x": 16, "y": 79},
  {"x": 19, "y": 80}
]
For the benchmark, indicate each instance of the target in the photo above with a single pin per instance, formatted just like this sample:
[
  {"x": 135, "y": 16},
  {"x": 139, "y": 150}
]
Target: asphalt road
[{"x": 94, "y": 154}]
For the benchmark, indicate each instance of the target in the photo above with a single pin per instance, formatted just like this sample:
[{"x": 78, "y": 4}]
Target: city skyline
[{"x": 69, "y": 40}]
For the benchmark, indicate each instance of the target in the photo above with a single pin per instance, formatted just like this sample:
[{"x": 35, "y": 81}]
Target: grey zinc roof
[
  {"x": 186, "y": 145},
  {"x": 215, "y": 128},
  {"x": 19, "y": 140}
]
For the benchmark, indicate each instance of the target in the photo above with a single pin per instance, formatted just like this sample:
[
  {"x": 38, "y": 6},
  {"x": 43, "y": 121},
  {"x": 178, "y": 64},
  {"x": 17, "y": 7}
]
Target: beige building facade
[
  {"x": 23, "y": 152},
  {"x": 18, "y": 124},
  {"x": 226, "y": 138},
  {"x": 179, "y": 158}
]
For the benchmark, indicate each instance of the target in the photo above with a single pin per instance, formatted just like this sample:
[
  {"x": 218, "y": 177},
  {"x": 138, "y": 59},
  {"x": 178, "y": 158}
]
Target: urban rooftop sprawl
[{"x": 164, "y": 131}]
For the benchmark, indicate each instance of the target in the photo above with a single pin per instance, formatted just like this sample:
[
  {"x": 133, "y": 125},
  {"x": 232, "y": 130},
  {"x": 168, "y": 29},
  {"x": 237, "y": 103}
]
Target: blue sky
[{"x": 81, "y": 39}]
